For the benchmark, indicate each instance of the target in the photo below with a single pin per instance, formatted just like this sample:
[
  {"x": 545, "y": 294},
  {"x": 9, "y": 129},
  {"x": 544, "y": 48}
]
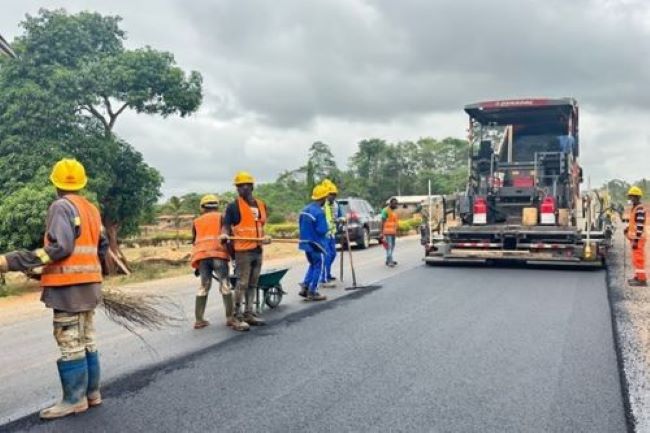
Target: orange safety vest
[
  {"x": 631, "y": 228},
  {"x": 391, "y": 224},
  {"x": 82, "y": 266},
  {"x": 207, "y": 245},
  {"x": 249, "y": 226}
]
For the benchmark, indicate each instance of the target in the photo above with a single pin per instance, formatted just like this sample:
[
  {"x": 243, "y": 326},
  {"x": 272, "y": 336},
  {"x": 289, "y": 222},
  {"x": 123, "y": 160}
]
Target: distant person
[
  {"x": 75, "y": 246},
  {"x": 334, "y": 215},
  {"x": 637, "y": 233},
  {"x": 210, "y": 257},
  {"x": 389, "y": 226},
  {"x": 313, "y": 241},
  {"x": 246, "y": 218}
]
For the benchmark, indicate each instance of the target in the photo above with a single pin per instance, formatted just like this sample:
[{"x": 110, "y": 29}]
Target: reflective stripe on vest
[
  {"x": 82, "y": 266},
  {"x": 207, "y": 245},
  {"x": 248, "y": 226},
  {"x": 633, "y": 225},
  {"x": 391, "y": 224}
]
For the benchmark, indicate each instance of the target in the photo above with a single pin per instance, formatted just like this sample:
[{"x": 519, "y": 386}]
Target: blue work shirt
[{"x": 313, "y": 227}]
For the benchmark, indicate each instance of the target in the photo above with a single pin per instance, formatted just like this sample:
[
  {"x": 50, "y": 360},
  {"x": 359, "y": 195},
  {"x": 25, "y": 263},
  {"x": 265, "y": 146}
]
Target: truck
[{"x": 523, "y": 200}]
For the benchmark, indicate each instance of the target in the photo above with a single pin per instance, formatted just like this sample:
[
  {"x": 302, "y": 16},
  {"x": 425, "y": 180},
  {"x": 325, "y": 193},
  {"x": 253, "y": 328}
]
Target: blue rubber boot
[
  {"x": 93, "y": 394},
  {"x": 74, "y": 381}
]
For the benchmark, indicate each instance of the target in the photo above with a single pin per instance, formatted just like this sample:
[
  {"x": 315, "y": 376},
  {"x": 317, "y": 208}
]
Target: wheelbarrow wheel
[{"x": 273, "y": 296}]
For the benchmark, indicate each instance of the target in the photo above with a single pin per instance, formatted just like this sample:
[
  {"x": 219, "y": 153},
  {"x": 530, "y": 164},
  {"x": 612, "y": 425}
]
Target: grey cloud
[{"x": 293, "y": 61}]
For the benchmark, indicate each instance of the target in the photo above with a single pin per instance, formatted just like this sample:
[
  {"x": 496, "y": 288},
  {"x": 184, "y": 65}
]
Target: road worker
[
  {"x": 313, "y": 241},
  {"x": 245, "y": 218},
  {"x": 75, "y": 246},
  {"x": 334, "y": 215},
  {"x": 389, "y": 226},
  {"x": 210, "y": 257},
  {"x": 637, "y": 233}
]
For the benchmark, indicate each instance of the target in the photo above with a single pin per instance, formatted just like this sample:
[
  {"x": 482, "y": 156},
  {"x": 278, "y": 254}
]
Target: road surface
[{"x": 433, "y": 350}]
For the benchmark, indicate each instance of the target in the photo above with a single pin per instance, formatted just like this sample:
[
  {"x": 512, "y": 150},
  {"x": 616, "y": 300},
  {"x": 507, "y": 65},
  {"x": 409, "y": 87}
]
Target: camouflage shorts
[
  {"x": 74, "y": 333},
  {"x": 217, "y": 268}
]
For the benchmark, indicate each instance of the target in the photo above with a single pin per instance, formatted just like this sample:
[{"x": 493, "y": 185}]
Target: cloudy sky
[{"x": 281, "y": 74}]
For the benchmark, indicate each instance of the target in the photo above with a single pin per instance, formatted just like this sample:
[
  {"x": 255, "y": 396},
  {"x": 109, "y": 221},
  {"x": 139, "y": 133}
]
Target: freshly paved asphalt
[{"x": 433, "y": 350}]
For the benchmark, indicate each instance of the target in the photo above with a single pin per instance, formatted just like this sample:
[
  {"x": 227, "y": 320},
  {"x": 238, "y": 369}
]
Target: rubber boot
[
  {"x": 74, "y": 382},
  {"x": 92, "y": 392},
  {"x": 199, "y": 311},
  {"x": 236, "y": 322},
  {"x": 249, "y": 316}
]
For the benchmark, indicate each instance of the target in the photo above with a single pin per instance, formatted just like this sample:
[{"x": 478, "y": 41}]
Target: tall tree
[{"x": 62, "y": 96}]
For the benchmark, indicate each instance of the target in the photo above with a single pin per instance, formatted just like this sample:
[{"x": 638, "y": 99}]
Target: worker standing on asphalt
[
  {"x": 313, "y": 241},
  {"x": 245, "y": 218},
  {"x": 637, "y": 233},
  {"x": 334, "y": 215},
  {"x": 210, "y": 257},
  {"x": 389, "y": 226},
  {"x": 75, "y": 246}
]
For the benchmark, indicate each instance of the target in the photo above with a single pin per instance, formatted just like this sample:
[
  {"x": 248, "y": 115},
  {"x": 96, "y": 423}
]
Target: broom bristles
[{"x": 131, "y": 310}]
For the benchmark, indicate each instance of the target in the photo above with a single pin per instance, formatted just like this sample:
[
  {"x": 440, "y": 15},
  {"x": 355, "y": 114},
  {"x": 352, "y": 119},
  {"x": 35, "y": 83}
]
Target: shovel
[{"x": 354, "y": 274}]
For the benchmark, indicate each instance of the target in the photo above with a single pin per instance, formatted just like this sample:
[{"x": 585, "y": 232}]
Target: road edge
[{"x": 622, "y": 342}]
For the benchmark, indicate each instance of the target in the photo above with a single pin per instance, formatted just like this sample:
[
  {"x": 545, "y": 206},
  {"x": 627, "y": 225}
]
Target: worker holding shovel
[
  {"x": 313, "y": 241},
  {"x": 245, "y": 219}
]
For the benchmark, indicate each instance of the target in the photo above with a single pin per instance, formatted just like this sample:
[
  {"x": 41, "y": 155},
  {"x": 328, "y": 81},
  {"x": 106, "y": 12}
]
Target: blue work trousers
[
  {"x": 316, "y": 271},
  {"x": 331, "y": 256}
]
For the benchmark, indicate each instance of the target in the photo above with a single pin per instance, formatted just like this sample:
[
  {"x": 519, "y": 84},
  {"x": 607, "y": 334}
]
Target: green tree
[{"x": 62, "y": 97}]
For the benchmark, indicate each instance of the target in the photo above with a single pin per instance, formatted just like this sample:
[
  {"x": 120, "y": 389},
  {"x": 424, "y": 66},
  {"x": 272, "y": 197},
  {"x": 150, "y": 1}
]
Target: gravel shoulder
[{"x": 631, "y": 319}]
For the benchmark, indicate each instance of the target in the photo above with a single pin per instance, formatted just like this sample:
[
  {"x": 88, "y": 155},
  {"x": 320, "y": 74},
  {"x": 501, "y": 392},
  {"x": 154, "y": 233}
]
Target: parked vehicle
[{"x": 364, "y": 223}]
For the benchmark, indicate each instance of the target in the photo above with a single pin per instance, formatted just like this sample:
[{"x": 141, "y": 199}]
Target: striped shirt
[{"x": 640, "y": 221}]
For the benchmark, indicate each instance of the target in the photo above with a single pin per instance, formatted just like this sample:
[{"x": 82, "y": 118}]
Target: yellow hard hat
[
  {"x": 635, "y": 190},
  {"x": 69, "y": 175},
  {"x": 331, "y": 186},
  {"x": 320, "y": 192},
  {"x": 243, "y": 177},
  {"x": 209, "y": 200}
]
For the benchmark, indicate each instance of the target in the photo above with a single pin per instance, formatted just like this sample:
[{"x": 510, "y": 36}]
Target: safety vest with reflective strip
[
  {"x": 249, "y": 226},
  {"x": 207, "y": 245},
  {"x": 391, "y": 224},
  {"x": 638, "y": 222},
  {"x": 82, "y": 266}
]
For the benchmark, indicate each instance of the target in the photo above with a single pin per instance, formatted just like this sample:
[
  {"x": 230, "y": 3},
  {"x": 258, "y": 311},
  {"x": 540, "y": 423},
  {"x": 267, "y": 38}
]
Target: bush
[
  {"x": 283, "y": 231},
  {"x": 407, "y": 225}
]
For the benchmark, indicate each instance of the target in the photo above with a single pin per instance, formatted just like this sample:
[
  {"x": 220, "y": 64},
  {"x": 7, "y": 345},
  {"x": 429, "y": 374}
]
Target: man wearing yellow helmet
[
  {"x": 245, "y": 218},
  {"x": 334, "y": 215},
  {"x": 75, "y": 247},
  {"x": 210, "y": 256},
  {"x": 637, "y": 233},
  {"x": 313, "y": 241}
]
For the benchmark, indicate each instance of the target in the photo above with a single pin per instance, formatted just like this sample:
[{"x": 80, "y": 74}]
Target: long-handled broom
[{"x": 354, "y": 286}]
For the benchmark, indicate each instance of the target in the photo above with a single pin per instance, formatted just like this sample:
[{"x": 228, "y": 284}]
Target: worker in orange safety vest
[
  {"x": 71, "y": 259},
  {"x": 637, "y": 234},
  {"x": 210, "y": 259},
  {"x": 389, "y": 227}
]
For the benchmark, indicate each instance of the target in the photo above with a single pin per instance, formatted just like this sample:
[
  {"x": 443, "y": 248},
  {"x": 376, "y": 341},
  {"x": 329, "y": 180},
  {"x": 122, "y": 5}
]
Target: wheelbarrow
[{"x": 269, "y": 289}]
